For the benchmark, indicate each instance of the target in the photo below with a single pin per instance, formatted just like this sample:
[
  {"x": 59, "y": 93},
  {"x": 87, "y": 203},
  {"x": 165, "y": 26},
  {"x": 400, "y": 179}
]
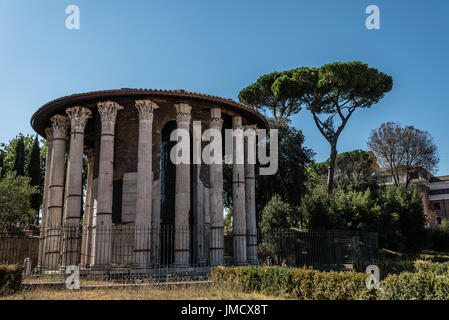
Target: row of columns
[{"x": 98, "y": 240}]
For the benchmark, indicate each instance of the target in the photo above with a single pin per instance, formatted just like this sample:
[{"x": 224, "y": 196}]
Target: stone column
[
  {"x": 207, "y": 222},
  {"x": 56, "y": 192},
  {"x": 86, "y": 247},
  {"x": 72, "y": 209},
  {"x": 144, "y": 202},
  {"x": 78, "y": 118},
  {"x": 250, "y": 194},
  {"x": 238, "y": 194},
  {"x": 103, "y": 239},
  {"x": 182, "y": 198},
  {"x": 49, "y": 137},
  {"x": 200, "y": 174},
  {"x": 156, "y": 220},
  {"x": 216, "y": 247}
]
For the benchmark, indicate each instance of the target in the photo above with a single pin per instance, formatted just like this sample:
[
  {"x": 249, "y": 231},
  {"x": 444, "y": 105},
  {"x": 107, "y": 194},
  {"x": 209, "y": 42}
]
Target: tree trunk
[{"x": 331, "y": 168}]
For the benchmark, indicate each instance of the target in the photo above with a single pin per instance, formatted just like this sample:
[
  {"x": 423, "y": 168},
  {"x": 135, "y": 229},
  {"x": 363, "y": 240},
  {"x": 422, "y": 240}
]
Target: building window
[
  {"x": 414, "y": 175},
  {"x": 439, "y": 191},
  {"x": 439, "y": 220},
  {"x": 436, "y": 206}
]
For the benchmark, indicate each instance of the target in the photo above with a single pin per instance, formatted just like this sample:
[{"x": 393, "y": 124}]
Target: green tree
[
  {"x": 9, "y": 150},
  {"x": 396, "y": 214},
  {"x": 334, "y": 91},
  {"x": 15, "y": 195},
  {"x": 2, "y": 164},
  {"x": 317, "y": 210},
  {"x": 277, "y": 214},
  {"x": 228, "y": 219},
  {"x": 281, "y": 103},
  {"x": 19, "y": 160},
  {"x": 402, "y": 149},
  {"x": 276, "y": 217},
  {"x": 353, "y": 170},
  {"x": 34, "y": 172}
]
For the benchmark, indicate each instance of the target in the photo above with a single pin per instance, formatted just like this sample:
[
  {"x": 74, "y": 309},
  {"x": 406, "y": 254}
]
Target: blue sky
[{"x": 219, "y": 47}]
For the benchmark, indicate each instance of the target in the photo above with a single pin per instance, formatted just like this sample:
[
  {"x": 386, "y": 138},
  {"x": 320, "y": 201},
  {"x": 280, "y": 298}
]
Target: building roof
[
  {"x": 443, "y": 178},
  {"x": 41, "y": 118}
]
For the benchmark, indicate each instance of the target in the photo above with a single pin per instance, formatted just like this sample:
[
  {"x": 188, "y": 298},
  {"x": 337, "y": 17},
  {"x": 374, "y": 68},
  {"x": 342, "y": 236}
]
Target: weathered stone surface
[
  {"x": 52, "y": 244},
  {"x": 108, "y": 111},
  {"x": 238, "y": 195},
  {"x": 44, "y": 216},
  {"x": 144, "y": 194},
  {"x": 182, "y": 197},
  {"x": 250, "y": 194},
  {"x": 216, "y": 200}
]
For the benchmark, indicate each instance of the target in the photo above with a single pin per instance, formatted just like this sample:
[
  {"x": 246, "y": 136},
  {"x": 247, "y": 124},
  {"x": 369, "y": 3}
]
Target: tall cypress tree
[
  {"x": 19, "y": 161},
  {"x": 34, "y": 172},
  {"x": 2, "y": 164}
]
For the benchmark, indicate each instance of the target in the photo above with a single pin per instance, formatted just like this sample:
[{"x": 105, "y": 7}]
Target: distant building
[{"x": 434, "y": 192}]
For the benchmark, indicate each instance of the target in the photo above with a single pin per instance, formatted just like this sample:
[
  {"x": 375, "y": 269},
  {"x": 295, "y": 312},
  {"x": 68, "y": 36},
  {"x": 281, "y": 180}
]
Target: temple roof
[{"x": 41, "y": 118}]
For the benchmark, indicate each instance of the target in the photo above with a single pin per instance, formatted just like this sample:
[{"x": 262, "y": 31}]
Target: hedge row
[
  {"x": 388, "y": 267},
  {"x": 301, "y": 283},
  {"x": 396, "y": 266},
  {"x": 308, "y": 284},
  {"x": 10, "y": 278},
  {"x": 415, "y": 286}
]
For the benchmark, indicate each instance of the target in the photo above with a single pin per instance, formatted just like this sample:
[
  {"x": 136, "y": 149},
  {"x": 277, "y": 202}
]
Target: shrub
[
  {"x": 301, "y": 283},
  {"x": 413, "y": 286},
  {"x": 394, "y": 266},
  {"x": 438, "y": 268},
  {"x": 10, "y": 279},
  {"x": 439, "y": 238},
  {"x": 397, "y": 266},
  {"x": 309, "y": 284}
]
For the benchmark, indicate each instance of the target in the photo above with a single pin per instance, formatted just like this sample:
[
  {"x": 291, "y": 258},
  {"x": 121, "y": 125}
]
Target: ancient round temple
[{"x": 135, "y": 208}]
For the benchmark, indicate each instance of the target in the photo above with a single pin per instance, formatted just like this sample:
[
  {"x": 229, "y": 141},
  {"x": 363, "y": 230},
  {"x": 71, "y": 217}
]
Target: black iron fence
[
  {"x": 156, "y": 252},
  {"x": 330, "y": 249}
]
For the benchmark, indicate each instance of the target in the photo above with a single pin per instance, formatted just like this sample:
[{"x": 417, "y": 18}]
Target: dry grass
[{"x": 145, "y": 292}]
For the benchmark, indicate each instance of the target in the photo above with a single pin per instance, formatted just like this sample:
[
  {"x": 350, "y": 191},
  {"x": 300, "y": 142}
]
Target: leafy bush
[
  {"x": 397, "y": 266},
  {"x": 15, "y": 195},
  {"x": 395, "y": 213},
  {"x": 301, "y": 283},
  {"x": 10, "y": 279},
  {"x": 309, "y": 284},
  {"x": 439, "y": 238},
  {"x": 438, "y": 268},
  {"x": 415, "y": 286},
  {"x": 275, "y": 216}
]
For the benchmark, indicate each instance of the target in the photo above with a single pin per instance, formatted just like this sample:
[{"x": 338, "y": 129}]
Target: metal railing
[
  {"x": 330, "y": 249},
  {"x": 129, "y": 252}
]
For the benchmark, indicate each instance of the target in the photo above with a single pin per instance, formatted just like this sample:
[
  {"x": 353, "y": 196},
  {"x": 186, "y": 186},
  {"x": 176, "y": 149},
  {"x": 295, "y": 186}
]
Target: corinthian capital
[
  {"x": 237, "y": 123},
  {"x": 108, "y": 110},
  {"x": 60, "y": 125},
  {"x": 215, "y": 118},
  {"x": 78, "y": 118},
  {"x": 146, "y": 109},
  {"x": 49, "y": 134},
  {"x": 183, "y": 112},
  {"x": 250, "y": 129}
]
